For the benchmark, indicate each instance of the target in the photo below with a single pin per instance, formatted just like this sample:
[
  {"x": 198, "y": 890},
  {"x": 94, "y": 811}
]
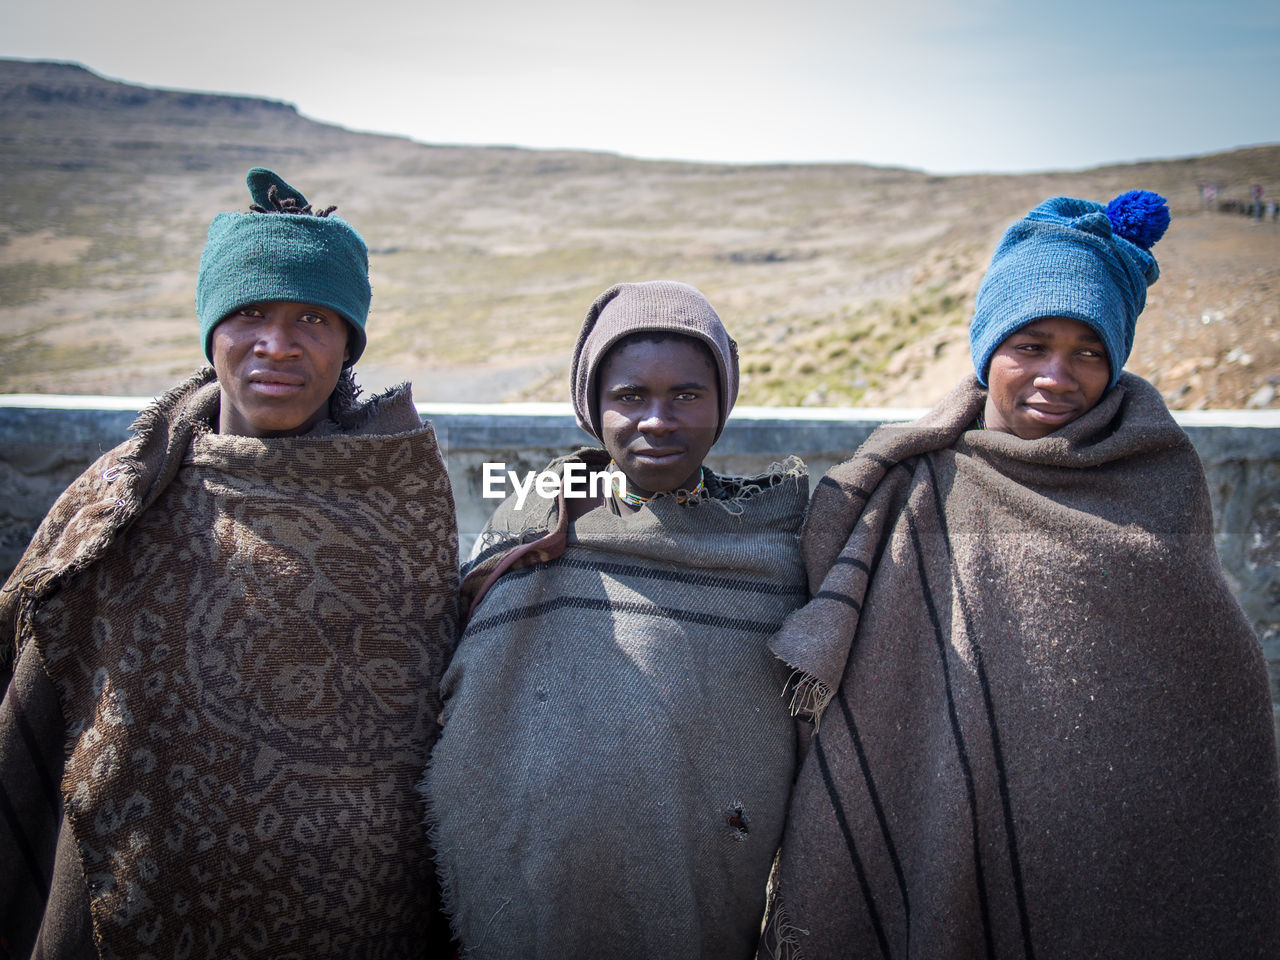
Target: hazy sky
[{"x": 944, "y": 85}]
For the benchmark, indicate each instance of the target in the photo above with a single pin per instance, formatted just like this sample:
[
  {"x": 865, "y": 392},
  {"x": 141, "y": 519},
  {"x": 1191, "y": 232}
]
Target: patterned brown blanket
[
  {"x": 235, "y": 646},
  {"x": 1045, "y": 724},
  {"x": 616, "y": 756}
]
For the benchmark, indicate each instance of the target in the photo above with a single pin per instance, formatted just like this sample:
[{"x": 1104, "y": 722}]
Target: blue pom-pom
[{"x": 1140, "y": 216}]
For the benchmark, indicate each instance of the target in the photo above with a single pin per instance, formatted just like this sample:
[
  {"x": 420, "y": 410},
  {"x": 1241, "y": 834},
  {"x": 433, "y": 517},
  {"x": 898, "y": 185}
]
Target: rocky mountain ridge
[{"x": 845, "y": 284}]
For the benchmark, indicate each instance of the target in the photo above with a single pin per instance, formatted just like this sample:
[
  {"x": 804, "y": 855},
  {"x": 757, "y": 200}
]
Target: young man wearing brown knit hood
[{"x": 616, "y": 759}]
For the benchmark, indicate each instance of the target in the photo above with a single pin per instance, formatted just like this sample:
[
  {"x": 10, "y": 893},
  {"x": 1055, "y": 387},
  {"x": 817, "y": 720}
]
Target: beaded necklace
[{"x": 635, "y": 500}]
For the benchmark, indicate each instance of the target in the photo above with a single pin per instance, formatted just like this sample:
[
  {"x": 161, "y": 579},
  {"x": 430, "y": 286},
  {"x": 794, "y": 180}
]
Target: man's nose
[
  {"x": 1056, "y": 375},
  {"x": 275, "y": 339},
  {"x": 657, "y": 419}
]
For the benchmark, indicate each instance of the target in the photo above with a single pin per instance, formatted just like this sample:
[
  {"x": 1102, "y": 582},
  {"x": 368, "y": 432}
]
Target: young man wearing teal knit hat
[
  {"x": 1044, "y": 727},
  {"x": 282, "y": 296},
  {"x": 230, "y": 633}
]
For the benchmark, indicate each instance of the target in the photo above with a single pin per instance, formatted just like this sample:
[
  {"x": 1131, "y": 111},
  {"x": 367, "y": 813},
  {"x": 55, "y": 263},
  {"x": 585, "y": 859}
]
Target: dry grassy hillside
[{"x": 845, "y": 284}]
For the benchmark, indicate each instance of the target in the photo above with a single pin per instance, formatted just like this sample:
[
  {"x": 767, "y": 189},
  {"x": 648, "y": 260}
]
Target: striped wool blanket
[
  {"x": 227, "y": 688},
  {"x": 616, "y": 754},
  {"x": 1045, "y": 728}
]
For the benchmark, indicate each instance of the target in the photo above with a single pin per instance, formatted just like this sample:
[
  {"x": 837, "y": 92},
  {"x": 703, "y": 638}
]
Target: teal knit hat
[
  {"x": 282, "y": 251},
  {"x": 1075, "y": 259}
]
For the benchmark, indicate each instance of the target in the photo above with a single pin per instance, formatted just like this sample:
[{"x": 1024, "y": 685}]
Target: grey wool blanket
[
  {"x": 227, "y": 687},
  {"x": 1044, "y": 723},
  {"x": 616, "y": 754}
]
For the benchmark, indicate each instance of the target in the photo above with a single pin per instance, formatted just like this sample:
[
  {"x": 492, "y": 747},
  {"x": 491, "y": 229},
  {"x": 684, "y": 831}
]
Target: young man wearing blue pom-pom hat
[
  {"x": 1056, "y": 313},
  {"x": 1044, "y": 727},
  {"x": 231, "y": 631}
]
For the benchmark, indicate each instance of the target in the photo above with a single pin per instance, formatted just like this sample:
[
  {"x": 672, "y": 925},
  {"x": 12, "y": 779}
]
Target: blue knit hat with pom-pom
[
  {"x": 1075, "y": 259},
  {"x": 282, "y": 251}
]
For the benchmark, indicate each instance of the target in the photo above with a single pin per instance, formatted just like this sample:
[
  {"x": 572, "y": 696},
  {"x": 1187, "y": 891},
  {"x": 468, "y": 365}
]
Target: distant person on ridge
[
  {"x": 1044, "y": 726},
  {"x": 230, "y": 632},
  {"x": 616, "y": 759}
]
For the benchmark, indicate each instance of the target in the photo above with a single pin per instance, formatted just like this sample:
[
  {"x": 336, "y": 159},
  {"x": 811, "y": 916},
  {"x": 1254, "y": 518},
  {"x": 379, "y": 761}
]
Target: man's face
[
  {"x": 659, "y": 409},
  {"x": 277, "y": 363},
  {"x": 1045, "y": 375}
]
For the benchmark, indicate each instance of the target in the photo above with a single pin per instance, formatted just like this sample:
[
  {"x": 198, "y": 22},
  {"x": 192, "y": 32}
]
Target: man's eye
[{"x": 249, "y": 312}]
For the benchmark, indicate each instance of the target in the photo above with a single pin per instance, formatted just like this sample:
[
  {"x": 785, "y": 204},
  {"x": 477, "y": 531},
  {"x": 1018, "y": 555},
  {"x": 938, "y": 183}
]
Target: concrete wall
[{"x": 46, "y": 441}]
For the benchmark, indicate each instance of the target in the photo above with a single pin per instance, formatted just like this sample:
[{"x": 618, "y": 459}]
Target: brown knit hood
[{"x": 654, "y": 306}]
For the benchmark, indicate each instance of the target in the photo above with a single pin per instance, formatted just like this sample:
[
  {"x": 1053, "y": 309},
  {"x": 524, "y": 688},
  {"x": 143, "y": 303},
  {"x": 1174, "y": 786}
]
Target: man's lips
[
  {"x": 1051, "y": 411},
  {"x": 274, "y": 382},
  {"x": 659, "y": 454}
]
